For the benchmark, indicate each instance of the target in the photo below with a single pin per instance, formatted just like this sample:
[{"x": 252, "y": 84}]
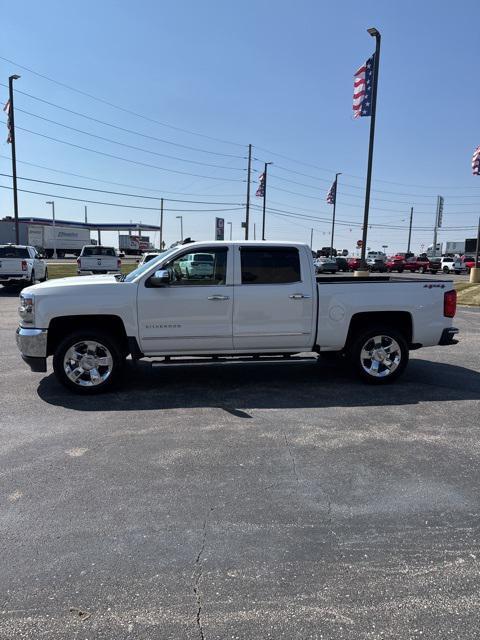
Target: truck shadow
[{"x": 239, "y": 387}]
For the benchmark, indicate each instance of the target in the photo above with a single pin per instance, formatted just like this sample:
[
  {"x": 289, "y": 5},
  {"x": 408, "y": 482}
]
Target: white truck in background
[
  {"x": 261, "y": 300},
  {"x": 20, "y": 266},
  {"x": 134, "y": 245},
  {"x": 67, "y": 239},
  {"x": 95, "y": 259}
]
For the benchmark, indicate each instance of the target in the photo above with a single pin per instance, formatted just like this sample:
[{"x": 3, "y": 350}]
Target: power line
[
  {"x": 124, "y": 129},
  {"x": 116, "y": 106},
  {"x": 121, "y": 184},
  {"x": 137, "y": 162},
  {"x": 115, "y": 204},
  {"x": 117, "y": 193},
  {"x": 128, "y": 146}
]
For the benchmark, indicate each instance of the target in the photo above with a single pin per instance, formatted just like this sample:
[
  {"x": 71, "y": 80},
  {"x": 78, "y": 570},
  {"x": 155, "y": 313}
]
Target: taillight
[
  {"x": 119, "y": 263},
  {"x": 78, "y": 261},
  {"x": 24, "y": 265},
  {"x": 450, "y": 303}
]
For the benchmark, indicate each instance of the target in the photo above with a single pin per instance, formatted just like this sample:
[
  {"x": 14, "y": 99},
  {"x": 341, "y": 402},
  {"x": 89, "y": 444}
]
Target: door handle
[
  {"x": 299, "y": 296},
  {"x": 218, "y": 298}
]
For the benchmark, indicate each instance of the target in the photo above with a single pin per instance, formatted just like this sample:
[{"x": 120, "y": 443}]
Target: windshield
[{"x": 148, "y": 265}]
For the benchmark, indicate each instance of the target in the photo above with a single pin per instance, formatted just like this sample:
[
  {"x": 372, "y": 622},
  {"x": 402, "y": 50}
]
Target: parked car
[
  {"x": 447, "y": 264},
  {"x": 376, "y": 265},
  {"x": 325, "y": 265},
  {"x": 95, "y": 259},
  {"x": 353, "y": 264},
  {"x": 263, "y": 298},
  {"x": 21, "y": 266},
  {"x": 468, "y": 262},
  {"x": 149, "y": 256},
  {"x": 421, "y": 264},
  {"x": 197, "y": 265},
  {"x": 342, "y": 263},
  {"x": 395, "y": 263},
  {"x": 459, "y": 266}
]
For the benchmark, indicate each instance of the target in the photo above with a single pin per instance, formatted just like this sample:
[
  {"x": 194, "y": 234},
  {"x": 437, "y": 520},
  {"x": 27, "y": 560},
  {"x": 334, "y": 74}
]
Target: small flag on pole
[
  {"x": 362, "y": 89},
  {"x": 6, "y": 108},
  {"x": 332, "y": 194},
  {"x": 261, "y": 186},
  {"x": 476, "y": 162}
]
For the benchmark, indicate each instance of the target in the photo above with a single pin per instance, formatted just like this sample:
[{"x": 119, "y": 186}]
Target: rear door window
[
  {"x": 274, "y": 265},
  {"x": 14, "y": 252}
]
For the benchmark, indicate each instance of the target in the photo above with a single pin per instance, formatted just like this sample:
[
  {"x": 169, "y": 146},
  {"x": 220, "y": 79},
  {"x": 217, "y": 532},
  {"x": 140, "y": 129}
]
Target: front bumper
[
  {"x": 32, "y": 344},
  {"x": 447, "y": 336}
]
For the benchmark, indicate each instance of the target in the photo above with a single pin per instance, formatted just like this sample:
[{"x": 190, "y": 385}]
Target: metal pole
[
  {"x": 11, "y": 117},
  {"x": 377, "y": 36},
  {"x": 247, "y": 204},
  {"x": 230, "y": 229},
  {"x": 161, "y": 224},
  {"x": 254, "y": 231},
  {"x": 333, "y": 217},
  {"x": 53, "y": 228},
  {"x": 264, "y": 197},
  {"x": 311, "y": 239},
  {"x": 181, "y": 227},
  {"x": 86, "y": 221},
  {"x": 478, "y": 245},
  {"x": 410, "y": 229},
  {"x": 434, "y": 248}
]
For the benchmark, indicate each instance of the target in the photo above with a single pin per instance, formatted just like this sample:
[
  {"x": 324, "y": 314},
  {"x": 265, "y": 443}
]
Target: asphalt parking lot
[{"x": 242, "y": 501}]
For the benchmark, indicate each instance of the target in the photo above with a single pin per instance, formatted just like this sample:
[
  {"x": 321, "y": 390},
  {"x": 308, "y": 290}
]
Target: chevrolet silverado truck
[
  {"x": 94, "y": 259},
  {"x": 262, "y": 300},
  {"x": 20, "y": 266}
]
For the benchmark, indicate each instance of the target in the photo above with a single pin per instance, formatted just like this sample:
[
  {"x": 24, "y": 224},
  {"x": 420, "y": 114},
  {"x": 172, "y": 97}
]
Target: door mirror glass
[{"x": 160, "y": 278}]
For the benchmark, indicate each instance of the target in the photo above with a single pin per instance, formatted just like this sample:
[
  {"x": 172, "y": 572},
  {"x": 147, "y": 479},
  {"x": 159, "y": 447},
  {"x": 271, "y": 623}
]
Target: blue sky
[{"x": 275, "y": 74}]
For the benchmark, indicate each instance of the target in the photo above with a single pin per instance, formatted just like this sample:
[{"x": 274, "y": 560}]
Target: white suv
[
  {"x": 197, "y": 265},
  {"x": 448, "y": 265}
]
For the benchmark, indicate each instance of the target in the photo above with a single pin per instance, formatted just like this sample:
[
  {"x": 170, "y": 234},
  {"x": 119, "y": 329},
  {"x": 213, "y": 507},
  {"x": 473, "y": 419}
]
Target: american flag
[
  {"x": 476, "y": 162},
  {"x": 332, "y": 194},
  {"x": 362, "y": 89},
  {"x": 261, "y": 186},
  {"x": 6, "y": 108}
]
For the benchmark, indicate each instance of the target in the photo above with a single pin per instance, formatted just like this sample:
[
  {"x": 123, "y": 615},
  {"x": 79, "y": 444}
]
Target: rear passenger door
[{"x": 273, "y": 309}]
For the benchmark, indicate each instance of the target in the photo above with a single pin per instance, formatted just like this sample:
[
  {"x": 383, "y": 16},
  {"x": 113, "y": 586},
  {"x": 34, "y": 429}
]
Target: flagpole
[
  {"x": 333, "y": 217},
  {"x": 375, "y": 34},
  {"x": 11, "y": 119},
  {"x": 264, "y": 197}
]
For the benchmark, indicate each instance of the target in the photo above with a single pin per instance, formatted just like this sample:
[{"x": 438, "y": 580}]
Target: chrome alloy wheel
[
  {"x": 88, "y": 363},
  {"x": 380, "y": 356}
]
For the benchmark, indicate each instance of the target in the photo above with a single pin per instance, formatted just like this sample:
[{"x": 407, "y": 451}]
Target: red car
[
  {"x": 469, "y": 262},
  {"x": 395, "y": 263},
  {"x": 420, "y": 264},
  {"x": 353, "y": 264}
]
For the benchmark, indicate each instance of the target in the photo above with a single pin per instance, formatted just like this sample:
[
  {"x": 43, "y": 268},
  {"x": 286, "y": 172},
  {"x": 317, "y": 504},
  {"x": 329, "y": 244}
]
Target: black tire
[
  {"x": 446, "y": 270},
  {"x": 362, "y": 339},
  {"x": 433, "y": 272},
  {"x": 421, "y": 270},
  {"x": 45, "y": 277},
  {"x": 118, "y": 361},
  {"x": 400, "y": 271}
]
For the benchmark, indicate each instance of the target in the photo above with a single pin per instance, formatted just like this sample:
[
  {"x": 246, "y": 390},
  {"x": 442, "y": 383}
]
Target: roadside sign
[{"x": 219, "y": 229}]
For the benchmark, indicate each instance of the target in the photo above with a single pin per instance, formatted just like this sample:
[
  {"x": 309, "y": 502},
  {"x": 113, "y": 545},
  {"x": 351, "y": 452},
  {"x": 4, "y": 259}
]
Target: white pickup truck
[
  {"x": 94, "y": 259},
  {"x": 20, "y": 266},
  {"x": 262, "y": 300}
]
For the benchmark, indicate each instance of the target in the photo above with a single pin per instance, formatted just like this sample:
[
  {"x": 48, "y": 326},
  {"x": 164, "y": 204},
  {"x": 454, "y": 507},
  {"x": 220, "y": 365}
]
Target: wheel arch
[
  {"x": 62, "y": 326},
  {"x": 401, "y": 321}
]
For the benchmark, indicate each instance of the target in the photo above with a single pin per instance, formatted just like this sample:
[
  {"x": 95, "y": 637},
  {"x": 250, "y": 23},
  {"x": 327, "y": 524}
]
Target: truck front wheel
[
  {"x": 88, "y": 362},
  {"x": 379, "y": 355}
]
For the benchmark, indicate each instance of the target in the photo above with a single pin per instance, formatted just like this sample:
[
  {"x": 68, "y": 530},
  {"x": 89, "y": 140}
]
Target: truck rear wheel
[
  {"x": 88, "y": 362},
  {"x": 379, "y": 355}
]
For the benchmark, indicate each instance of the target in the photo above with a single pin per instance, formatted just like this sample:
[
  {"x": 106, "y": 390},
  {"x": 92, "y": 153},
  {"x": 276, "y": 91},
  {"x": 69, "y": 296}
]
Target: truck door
[
  {"x": 273, "y": 300},
  {"x": 194, "y": 313}
]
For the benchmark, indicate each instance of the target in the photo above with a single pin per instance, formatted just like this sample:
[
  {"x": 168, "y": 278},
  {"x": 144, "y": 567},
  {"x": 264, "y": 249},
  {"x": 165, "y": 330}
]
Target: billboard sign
[{"x": 219, "y": 229}]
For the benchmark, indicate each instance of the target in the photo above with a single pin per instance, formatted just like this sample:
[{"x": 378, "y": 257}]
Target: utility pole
[
  {"x": 86, "y": 221},
  {"x": 247, "y": 204},
  {"x": 410, "y": 229},
  {"x": 254, "y": 230},
  {"x": 311, "y": 239},
  {"x": 229, "y": 223},
  {"x": 333, "y": 216},
  {"x": 161, "y": 224},
  {"x": 11, "y": 139},
  {"x": 264, "y": 197},
  {"x": 375, "y": 34},
  {"x": 181, "y": 227},
  {"x": 438, "y": 223},
  {"x": 53, "y": 229}
]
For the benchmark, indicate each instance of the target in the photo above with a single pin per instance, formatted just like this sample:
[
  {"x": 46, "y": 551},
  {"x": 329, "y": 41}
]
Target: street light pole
[
  {"x": 375, "y": 34},
  {"x": 161, "y": 224},
  {"x": 311, "y": 239},
  {"x": 53, "y": 228},
  {"x": 333, "y": 216},
  {"x": 247, "y": 205},
  {"x": 181, "y": 227},
  {"x": 264, "y": 197},
  {"x": 229, "y": 223},
  {"x": 11, "y": 137},
  {"x": 86, "y": 220}
]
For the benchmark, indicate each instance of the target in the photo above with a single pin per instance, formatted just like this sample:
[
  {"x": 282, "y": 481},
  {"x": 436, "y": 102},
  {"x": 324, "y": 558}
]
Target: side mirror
[{"x": 160, "y": 278}]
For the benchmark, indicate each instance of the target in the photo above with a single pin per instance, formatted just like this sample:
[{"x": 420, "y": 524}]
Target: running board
[{"x": 180, "y": 360}]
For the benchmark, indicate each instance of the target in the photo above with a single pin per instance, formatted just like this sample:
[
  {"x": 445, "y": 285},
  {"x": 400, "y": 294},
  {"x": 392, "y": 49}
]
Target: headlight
[{"x": 26, "y": 310}]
